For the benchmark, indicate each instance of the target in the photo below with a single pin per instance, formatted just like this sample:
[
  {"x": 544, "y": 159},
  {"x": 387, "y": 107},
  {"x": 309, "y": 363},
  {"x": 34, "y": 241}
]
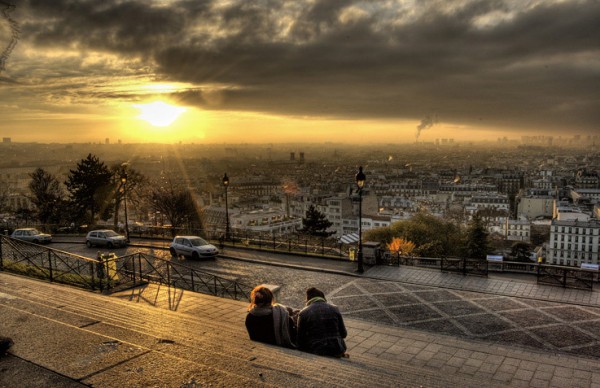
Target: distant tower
[
  {"x": 292, "y": 156},
  {"x": 119, "y": 141},
  {"x": 6, "y": 140},
  {"x": 107, "y": 141},
  {"x": 301, "y": 157}
]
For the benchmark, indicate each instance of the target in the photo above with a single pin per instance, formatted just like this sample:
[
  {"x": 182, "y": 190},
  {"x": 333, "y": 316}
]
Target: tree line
[{"x": 94, "y": 191}]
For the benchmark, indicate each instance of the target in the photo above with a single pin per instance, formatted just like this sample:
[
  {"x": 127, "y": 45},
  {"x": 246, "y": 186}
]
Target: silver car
[
  {"x": 31, "y": 235},
  {"x": 192, "y": 246},
  {"x": 106, "y": 238}
]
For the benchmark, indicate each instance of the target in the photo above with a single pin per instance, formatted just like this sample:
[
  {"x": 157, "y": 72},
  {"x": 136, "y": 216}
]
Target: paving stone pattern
[{"x": 495, "y": 318}]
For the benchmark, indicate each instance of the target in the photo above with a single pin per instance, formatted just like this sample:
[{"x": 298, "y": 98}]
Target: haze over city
[{"x": 307, "y": 71}]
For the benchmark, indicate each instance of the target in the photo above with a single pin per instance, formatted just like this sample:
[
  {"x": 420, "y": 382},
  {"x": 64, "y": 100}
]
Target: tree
[
  {"x": 90, "y": 188},
  {"x": 177, "y": 205},
  {"x": 521, "y": 251},
  {"x": 134, "y": 186},
  {"x": 476, "y": 240},
  {"x": 46, "y": 194},
  {"x": 401, "y": 246},
  {"x": 4, "y": 195},
  {"x": 432, "y": 236},
  {"x": 24, "y": 214},
  {"x": 316, "y": 223}
]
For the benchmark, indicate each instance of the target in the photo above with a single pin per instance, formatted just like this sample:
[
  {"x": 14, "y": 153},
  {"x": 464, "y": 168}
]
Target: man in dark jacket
[{"x": 321, "y": 328}]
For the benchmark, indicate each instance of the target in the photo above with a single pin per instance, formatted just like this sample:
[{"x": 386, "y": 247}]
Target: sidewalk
[{"x": 496, "y": 286}]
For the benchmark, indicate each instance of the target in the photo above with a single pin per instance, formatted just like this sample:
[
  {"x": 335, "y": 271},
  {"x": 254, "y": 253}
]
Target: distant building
[
  {"x": 490, "y": 201},
  {"x": 564, "y": 211},
  {"x": 6, "y": 140},
  {"x": 534, "y": 205},
  {"x": 574, "y": 242},
  {"x": 517, "y": 230},
  {"x": 272, "y": 221}
]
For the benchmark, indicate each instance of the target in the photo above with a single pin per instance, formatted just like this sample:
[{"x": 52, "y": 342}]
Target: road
[{"x": 253, "y": 271}]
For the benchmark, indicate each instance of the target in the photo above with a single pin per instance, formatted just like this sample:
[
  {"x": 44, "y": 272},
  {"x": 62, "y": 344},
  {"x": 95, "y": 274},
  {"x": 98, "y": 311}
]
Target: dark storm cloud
[{"x": 537, "y": 66}]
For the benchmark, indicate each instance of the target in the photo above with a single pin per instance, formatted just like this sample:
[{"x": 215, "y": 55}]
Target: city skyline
[{"x": 320, "y": 71}]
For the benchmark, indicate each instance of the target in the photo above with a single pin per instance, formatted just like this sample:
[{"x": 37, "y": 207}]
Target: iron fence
[
  {"x": 110, "y": 272},
  {"x": 566, "y": 277},
  {"x": 144, "y": 267},
  {"x": 46, "y": 263}
]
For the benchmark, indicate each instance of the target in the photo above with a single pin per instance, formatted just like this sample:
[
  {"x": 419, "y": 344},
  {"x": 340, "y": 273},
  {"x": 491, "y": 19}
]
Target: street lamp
[
  {"x": 225, "y": 184},
  {"x": 360, "y": 183},
  {"x": 124, "y": 183}
]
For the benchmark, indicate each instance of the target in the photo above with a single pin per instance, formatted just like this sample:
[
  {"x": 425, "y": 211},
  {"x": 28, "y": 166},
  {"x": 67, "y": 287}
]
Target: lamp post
[
  {"x": 226, "y": 184},
  {"x": 124, "y": 183},
  {"x": 360, "y": 183}
]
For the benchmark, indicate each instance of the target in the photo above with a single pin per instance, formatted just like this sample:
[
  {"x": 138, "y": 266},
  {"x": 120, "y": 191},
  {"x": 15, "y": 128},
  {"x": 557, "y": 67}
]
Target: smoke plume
[
  {"x": 8, "y": 7},
  {"x": 426, "y": 123}
]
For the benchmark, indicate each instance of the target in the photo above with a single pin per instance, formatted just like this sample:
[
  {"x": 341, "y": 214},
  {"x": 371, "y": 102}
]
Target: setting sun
[{"x": 159, "y": 113}]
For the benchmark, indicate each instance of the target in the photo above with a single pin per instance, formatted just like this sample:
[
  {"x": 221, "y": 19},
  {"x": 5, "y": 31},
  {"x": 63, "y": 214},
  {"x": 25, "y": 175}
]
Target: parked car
[
  {"x": 31, "y": 235},
  {"x": 192, "y": 246},
  {"x": 106, "y": 238}
]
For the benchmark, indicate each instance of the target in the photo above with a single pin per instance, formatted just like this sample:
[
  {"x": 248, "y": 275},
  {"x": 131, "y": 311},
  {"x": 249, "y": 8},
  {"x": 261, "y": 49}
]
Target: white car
[
  {"x": 106, "y": 238},
  {"x": 192, "y": 246},
  {"x": 31, "y": 235}
]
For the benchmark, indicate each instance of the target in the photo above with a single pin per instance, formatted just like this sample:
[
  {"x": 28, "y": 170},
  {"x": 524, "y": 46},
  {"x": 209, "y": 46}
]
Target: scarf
[
  {"x": 280, "y": 322},
  {"x": 315, "y": 299}
]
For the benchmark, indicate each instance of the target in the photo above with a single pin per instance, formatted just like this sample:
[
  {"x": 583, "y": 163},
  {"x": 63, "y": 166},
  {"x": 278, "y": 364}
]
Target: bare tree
[{"x": 177, "y": 204}]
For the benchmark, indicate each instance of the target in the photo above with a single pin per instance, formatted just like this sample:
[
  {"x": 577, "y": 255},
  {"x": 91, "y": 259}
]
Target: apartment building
[
  {"x": 517, "y": 230},
  {"x": 573, "y": 243}
]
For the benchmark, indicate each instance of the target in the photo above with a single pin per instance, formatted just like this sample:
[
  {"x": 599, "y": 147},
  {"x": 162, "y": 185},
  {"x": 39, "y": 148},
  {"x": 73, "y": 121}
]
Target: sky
[{"x": 273, "y": 71}]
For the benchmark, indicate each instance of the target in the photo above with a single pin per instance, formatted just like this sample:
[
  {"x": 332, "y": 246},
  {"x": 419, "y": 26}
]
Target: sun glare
[{"x": 159, "y": 113}]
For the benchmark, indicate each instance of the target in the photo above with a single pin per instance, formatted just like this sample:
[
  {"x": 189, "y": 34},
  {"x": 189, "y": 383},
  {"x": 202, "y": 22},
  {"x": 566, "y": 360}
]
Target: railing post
[
  {"x": 464, "y": 269},
  {"x": 50, "y": 265},
  {"x": 564, "y": 280},
  {"x": 93, "y": 277},
  {"x": 193, "y": 285},
  {"x": 289, "y": 245},
  {"x": 215, "y": 286},
  {"x": 169, "y": 273},
  {"x": 1, "y": 255}
]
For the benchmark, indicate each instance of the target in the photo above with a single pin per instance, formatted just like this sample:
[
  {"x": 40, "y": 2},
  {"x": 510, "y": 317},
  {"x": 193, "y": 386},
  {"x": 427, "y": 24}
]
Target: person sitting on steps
[{"x": 268, "y": 321}]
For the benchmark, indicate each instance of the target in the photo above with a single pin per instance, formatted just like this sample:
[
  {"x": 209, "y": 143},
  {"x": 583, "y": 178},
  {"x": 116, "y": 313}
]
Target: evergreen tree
[
  {"x": 316, "y": 223},
  {"x": 90, "y": 189},
  {"x": 476, "y": 240},
  {"x": 46, "y": 195}
]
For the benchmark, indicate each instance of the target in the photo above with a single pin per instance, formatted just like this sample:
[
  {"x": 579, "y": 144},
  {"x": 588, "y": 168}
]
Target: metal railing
[
  {"x": 464, "y": 266},
  {"x": 111, "y": 273},
  {"x": 554, "y": 275},
  {"x": 551, "y": 275},
  {"x": 144, "y": 267},
  {"x": 46, "y": 263}
]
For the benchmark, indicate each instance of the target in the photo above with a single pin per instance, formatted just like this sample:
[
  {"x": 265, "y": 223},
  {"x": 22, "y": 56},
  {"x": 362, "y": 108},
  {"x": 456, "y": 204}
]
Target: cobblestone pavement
[{"x": 493, "y": 318}]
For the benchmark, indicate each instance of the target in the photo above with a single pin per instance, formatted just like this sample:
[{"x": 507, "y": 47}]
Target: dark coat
[{"x": 321, "y": 329}]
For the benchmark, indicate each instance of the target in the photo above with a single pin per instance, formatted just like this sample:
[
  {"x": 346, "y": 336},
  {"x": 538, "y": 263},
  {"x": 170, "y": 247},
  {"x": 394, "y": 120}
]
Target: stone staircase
[{"x": 105, "y": 341}]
